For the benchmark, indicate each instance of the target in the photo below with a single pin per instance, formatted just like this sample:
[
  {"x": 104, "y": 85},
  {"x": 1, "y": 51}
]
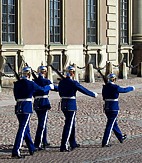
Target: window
[
  {"x": 55, "y": 21},
  {"x": 11, "y": 60},
  {"x": 9, "y": 21},
  {"x": 56, "y": 62},
  {"x": 91, "y": 21},
  {"x": 123, "y": 21}
]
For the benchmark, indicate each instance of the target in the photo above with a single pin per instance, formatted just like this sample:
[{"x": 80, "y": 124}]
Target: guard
[
  {"x": 110, "y": 93},
  {"x": 67, "y": 91},
  {"x": 41, "y": 107},
  {"x": 23, "y": 92}
]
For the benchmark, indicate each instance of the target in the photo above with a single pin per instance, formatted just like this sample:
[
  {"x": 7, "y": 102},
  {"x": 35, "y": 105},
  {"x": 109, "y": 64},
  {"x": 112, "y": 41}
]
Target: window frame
[
  {"x": 58, "y": 62},
  {"x": 96, "y": 23},
  {"x": 7, "y": 23},
  {"x": 60, "y": 25},
  {"x": 13, "y": 64},
  {"x": 124, "y": 39}
]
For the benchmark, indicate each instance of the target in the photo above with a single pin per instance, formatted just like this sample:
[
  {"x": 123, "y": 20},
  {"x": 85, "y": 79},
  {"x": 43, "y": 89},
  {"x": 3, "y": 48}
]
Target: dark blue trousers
[
  {"x": 41, "y": 133},
  {"x": 68, "y": 134},
  {"x": 23, "y": 133},
  {"x": 111, "y": 125}
]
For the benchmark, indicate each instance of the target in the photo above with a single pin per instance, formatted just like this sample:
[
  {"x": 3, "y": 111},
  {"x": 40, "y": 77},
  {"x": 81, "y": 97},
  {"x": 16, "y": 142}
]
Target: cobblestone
[{"x": 90, "y": 125}]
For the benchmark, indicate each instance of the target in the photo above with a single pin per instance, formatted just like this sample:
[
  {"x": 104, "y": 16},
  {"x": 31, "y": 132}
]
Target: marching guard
[
  {"x": 41, "y": 107},
  {"x": 23, "y": 92},
  {"x": 67, "y": 90},
  {"x": 110, "y": 93}
]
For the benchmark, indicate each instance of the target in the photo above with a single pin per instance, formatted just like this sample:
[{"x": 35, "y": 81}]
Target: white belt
[
  {"x": 111, "y": 99},
  {"x": 44, "y": 96},
  {"x": 73, "y": 97},
  {"x": 25, "y": 99}
]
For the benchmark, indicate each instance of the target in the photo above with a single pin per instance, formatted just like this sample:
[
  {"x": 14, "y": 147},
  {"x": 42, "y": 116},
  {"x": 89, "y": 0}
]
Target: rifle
[
  {"x": 63, "y": 77},
  {"x": 103, "y": 76},
  {"x": 15, "y": 73}
]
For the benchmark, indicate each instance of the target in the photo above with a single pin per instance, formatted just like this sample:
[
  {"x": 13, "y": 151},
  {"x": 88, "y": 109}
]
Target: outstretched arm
[
  {"x": 126, "y": 89},
  {"x": 84, "y": 90}
]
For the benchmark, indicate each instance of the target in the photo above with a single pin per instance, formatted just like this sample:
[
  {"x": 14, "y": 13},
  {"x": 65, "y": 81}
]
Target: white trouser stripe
[
  {"x": 43, "y": 130},
  {"x": 44, "y": 96},
  {"x": 23, "y": 133},
  {"x": 110, "y": 131},
  {"x": 66, "y": 144},
  {"x": 73, "y": 97}
]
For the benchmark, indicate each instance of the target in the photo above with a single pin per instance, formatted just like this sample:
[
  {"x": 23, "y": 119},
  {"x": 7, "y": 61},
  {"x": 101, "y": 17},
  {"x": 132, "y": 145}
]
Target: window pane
[
  {"x": 57, "y": 30},
  {"x": 4, "y": 18},
  {"x": 92, "y": 32},
  {"x": 51, "y": 38},
  {"x": 11, "y": 9},
  {"x": 4, "y": 36},
  {"x": 4, "y": 9},
  {"x": 11, "y": 19},
  {"x": 4, "y": 1},
  {"x": 12, "y": 2},
  {"x": 51, "y": 30},
  {"x": 4, "y": 28},
  {"x": 11, "y": 37},
  {"x": 57, "y": 38},
  {"x": 11, "y": 28},
  {"x": 92, "y": 39}
]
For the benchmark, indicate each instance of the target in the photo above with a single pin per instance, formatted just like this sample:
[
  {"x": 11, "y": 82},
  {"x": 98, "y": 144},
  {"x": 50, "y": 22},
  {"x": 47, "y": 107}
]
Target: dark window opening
[
  {"x": 11, "y": 60},
  {"x": 57, "y": 62}
]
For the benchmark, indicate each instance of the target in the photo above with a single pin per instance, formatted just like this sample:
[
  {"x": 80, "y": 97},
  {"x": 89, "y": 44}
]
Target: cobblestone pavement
[{"x": 90, "y": 125}]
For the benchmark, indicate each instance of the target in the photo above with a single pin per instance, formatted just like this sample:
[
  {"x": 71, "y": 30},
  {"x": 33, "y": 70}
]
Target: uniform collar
[
  {"x": 41, "y": 75},
  {"x": 111, "y": 82},
  {"x": 25, "y": 77}
]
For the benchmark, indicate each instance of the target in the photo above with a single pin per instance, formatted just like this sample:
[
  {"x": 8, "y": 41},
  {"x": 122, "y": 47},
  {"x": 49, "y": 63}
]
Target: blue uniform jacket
[
  {"x": 42, "y": 103},
  {"x": 23, "y": 91},
  {"x": 110, "y": 93},
  {"x": 67, "y": 90}
]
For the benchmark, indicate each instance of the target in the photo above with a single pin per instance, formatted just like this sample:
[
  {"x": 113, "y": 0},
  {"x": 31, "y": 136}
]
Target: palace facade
[{"x": 63, "y": 32}]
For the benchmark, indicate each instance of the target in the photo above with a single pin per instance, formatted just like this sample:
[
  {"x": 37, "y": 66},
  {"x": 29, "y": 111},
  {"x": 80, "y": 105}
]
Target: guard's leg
[
  {"x": 42, "y": 120},
  {"x": 117, "y": 131},
  {"x": 23, "y": 123},
  {"x": 29, "y": 141},
  {"x": 111, "y": 118},
  {"x": 67, "y": 130}
]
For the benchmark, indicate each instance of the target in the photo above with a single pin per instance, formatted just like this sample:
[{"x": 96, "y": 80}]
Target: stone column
[
  {"x": 137, "y": 33},
  {"x": 123, "y": 71},
  {"x": 137, "y": 21},
  {"x": 2, "y": 63}
]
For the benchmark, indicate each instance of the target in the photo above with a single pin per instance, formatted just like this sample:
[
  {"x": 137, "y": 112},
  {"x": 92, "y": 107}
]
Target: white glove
[
  {"x": 96, "y": 94},
  {"x": 133, "y": 88},
  {"x": 51, "y": 86}
]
